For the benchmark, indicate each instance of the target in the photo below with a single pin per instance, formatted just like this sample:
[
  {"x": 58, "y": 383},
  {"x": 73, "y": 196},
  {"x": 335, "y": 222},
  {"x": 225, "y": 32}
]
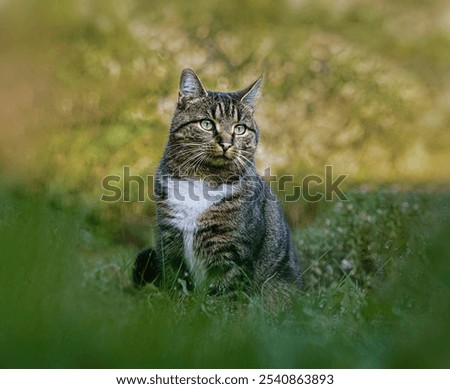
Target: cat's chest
[{"x": 188, "y": 199}]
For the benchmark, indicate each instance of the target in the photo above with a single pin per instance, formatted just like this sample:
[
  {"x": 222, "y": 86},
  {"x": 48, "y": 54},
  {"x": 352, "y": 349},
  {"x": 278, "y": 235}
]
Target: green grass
[{"x": 66, "y": 298}]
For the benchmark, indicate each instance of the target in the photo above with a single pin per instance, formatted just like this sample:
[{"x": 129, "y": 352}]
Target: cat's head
[{"x": 213, "y": 132}]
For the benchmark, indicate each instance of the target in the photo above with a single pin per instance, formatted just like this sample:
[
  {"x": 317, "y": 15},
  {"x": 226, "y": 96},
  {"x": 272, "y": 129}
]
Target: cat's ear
[
  {"x": 248, "y": 95},
  {"x": 190, "y": 85}
]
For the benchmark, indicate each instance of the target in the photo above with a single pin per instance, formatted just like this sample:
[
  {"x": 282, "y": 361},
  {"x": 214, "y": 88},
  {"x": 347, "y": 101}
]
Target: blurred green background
[{"x": 88, "y": 87}]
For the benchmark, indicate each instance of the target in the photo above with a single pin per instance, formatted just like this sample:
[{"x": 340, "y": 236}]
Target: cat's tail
[{"x": 146, "y": 268}]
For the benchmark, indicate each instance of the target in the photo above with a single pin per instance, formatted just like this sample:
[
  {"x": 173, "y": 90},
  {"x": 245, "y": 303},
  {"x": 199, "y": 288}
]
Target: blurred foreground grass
[
  {"x": 87, "y": 87},
  {"x": 66, "y": 299}
]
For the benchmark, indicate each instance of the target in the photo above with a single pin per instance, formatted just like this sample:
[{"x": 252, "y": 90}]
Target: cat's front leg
[{"x": 170, "y": 249}]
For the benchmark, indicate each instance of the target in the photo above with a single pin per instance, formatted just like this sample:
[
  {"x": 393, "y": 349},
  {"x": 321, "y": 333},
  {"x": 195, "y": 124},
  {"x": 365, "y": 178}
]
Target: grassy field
[
  {"x": 377, "y": 294},
  {"x": 88, "y": 87}
]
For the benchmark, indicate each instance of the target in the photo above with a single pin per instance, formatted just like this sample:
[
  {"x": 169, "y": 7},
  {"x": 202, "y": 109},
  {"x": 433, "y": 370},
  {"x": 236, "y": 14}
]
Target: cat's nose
[{"x": 225, "y": 145}]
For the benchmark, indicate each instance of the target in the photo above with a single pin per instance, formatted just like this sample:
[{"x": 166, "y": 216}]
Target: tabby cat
[{"x": 219, "y": 225}]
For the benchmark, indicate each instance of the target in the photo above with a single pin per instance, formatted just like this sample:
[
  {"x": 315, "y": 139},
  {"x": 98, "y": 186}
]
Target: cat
[{"x": 219, "y": 225}]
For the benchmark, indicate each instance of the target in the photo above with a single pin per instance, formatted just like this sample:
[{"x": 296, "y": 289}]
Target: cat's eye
[
  {"x": 207, "y": 125},
  {"x": 240, "y": 129}
]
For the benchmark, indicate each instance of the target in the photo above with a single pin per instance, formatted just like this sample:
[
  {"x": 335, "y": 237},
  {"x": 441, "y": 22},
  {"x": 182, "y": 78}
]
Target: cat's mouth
[{"x": 219, "y": 160}]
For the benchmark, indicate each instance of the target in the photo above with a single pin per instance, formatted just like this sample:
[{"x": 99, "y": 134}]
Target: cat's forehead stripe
[
  {"x": 232, "y": 110},
  {"x": 218, "y": 110},
  {"x": 224, "y": 105}
]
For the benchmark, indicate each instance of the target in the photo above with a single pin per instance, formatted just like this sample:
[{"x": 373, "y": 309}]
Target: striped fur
[{"x": 218, "y": 221}]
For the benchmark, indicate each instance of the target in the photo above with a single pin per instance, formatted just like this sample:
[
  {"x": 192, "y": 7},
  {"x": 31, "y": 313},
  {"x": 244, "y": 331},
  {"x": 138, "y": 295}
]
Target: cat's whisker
[
  {"x": 180, "y": 150},
  {"x": 239, "y": 165},
  {"x": 187, "y": 150},
  {"x": 188, "y": 161},
  {"x": 245, "y": 152},
  {"x": 242, "y": 163},
  {"x": 192, "y": 168},
  {"x": 184, "y": 154},
  {"x": 187, "y": 144},
  {"x": 246, "y": 159},
  {"x": 199, "y": 163}
]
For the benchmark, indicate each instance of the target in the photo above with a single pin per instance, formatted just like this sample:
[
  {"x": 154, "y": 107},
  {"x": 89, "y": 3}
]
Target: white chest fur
[{"x": 187, "y": 199}]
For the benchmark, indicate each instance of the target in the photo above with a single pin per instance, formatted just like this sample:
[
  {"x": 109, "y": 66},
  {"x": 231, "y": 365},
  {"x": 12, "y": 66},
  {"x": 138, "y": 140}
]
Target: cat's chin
[{"x": 218, "y": 161}]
